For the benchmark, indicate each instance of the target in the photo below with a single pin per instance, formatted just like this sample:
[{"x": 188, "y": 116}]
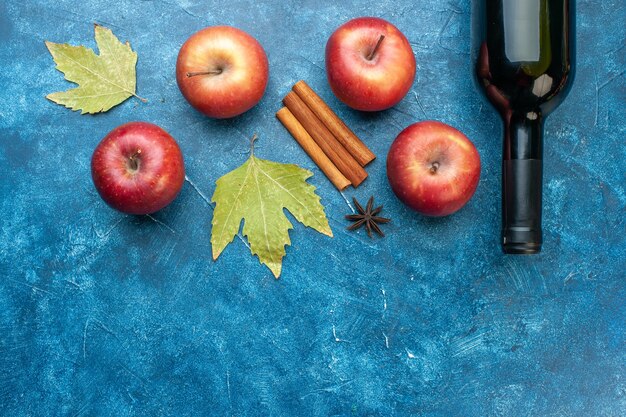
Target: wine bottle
[{"x": 523, "y": 51}]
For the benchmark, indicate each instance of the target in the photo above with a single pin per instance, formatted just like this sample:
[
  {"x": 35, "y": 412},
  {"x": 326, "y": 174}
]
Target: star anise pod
[{"x": 367, "y": 217}]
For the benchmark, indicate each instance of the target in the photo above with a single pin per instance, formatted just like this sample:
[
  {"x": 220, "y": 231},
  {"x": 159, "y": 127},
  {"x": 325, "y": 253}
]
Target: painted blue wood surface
[{"x": 113, "y": 315}]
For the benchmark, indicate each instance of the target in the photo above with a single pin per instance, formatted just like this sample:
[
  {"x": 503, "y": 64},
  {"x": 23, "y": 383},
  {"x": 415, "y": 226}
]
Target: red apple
[
  {"x": 222, "y": 71},
  {"x": 370, "y": 64},
  {"x": 138, "y": 168},
  {"x": 433, "y": 168}
]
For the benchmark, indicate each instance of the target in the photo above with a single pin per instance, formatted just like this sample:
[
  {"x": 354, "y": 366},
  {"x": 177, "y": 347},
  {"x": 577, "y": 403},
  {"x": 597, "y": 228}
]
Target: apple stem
[
  {"x": 434, "y": 167},
  {"x": 212, "y": 72},
  {"x": 373, "y": 53},
  {"x": 133, "y": 161}
]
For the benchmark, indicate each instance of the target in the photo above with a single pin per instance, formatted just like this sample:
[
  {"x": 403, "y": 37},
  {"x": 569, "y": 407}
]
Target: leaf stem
[
  {"x": 144, "y": 100},
  {"x": 254, "y": 137}
]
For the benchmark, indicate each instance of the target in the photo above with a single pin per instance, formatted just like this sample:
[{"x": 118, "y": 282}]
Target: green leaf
[
  {"x": 257, "y": 192},
  {"x": 104, "y": 80}
]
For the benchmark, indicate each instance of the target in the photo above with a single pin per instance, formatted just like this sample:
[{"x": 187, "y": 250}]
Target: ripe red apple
[
  {"x": 138, "y": 168},
  {"x": 222, "y": 71},
  {"x": 370, "y": 64},
  {"x": 433, "y": 168}
]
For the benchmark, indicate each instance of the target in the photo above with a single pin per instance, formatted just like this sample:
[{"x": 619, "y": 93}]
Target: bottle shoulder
[{"x": 524, "y": 52}]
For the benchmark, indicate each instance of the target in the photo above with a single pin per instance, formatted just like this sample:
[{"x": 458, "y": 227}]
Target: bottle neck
[
  {"x": 523, "y": 136},
  {"x": 522, "y": 177}
]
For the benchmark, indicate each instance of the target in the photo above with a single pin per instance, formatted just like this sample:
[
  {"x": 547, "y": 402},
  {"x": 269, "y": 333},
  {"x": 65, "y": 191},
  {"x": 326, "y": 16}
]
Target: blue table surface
[{"x": 114, "y": 315}]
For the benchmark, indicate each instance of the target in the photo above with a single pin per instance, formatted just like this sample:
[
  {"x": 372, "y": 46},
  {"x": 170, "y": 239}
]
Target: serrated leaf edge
[
  {"x": 323, "y": 229},
  {"x": 216, "y": 255},
  {"x": 122, "y": 89},
  {"x": 309, "y": 175}
]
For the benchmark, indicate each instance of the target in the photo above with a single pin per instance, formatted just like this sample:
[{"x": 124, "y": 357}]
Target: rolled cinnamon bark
[
  {"x": 334, "y": 150},
  {"x": 337, "y": 127},
  {"x": 312, "y": 149}
]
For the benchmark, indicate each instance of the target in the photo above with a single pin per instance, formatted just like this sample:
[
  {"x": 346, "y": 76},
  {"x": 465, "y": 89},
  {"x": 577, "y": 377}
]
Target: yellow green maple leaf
[
  {"x": 258, "y": 192},
  {"x": 104, "y": 80}
]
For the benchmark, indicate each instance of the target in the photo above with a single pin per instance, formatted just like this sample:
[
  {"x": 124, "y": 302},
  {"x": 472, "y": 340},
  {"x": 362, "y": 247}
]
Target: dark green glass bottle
[{"x": 523, "y": 51}]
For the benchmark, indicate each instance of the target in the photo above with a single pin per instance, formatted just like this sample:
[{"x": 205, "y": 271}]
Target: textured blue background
[{"x": 113, "y": 315}]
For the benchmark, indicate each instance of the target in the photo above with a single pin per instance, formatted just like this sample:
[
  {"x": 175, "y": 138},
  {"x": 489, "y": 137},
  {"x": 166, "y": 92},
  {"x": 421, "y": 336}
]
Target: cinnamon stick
[
  {"x": 312, "y": 149},
  {"x": 337, "y": 127},
  {"x": 334, "y": 150}
]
